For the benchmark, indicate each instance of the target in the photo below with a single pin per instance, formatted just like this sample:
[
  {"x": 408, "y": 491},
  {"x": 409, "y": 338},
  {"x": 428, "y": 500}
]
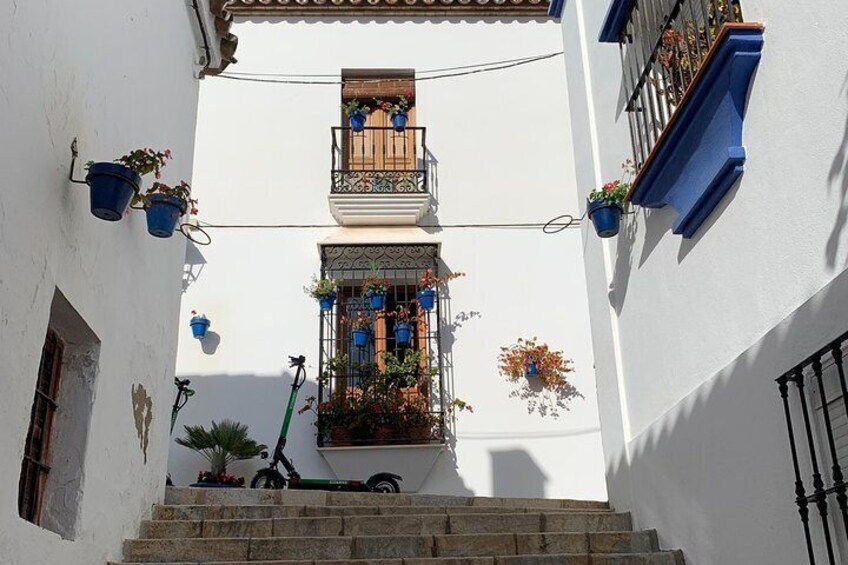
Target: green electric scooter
[
  {"x": 271, "y": 478},
  {"x": 183, "y": 394}
]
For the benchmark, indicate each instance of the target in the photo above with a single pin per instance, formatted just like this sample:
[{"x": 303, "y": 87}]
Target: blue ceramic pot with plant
[
  {"x": 399, "y": 121},
  {"x": 163, "y": 214},
  {"x": 377, "y": 300},
  {"x": 357, "y": 121},
  {"x": 360, "y": 337},
  {"x": 532, "y": 369},
  {"x": 327, "y": 301},
  {"x": 403, "y": 333},
  {"x": 111, "y": 188},
  {"x": 605, "y": 204},
  {"x": 199, "y": 324},
  {"x": 427, "y": 298}
]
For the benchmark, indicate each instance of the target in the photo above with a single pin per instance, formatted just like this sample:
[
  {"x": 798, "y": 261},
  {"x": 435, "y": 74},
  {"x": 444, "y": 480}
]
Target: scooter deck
[{"x": 328, "y": 484}]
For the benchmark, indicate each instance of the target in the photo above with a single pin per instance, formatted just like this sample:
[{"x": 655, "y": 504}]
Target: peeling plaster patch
[{"x": 143, "y": 415}]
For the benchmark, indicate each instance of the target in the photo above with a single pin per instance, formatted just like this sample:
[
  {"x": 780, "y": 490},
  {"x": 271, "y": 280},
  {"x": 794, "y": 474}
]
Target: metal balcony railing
[
  {"x": 663, "y": 45},
  {"x": 815, "y": 403},
  {"x": 379, "y": 160}
]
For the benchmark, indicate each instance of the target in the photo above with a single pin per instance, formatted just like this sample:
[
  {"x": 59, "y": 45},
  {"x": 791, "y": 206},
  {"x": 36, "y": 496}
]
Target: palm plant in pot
[
  {"x": 324, "y": 291},
  {"x": 606, "y": 204},
  {"x": 165, "y": 205},
  {"x": 114, "y": 184},
  {"x": 223, "y": 444},
  {"x": 398, "y": 110},
  {"x": 429, "y": 283},
  {"x": 356, "y": 114}
]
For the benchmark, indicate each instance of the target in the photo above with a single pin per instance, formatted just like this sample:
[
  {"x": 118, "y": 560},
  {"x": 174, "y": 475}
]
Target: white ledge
[{"x": 379, "y": 209}]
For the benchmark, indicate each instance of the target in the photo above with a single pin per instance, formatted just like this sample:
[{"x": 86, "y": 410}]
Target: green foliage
[
  {"x": 354, "y": 107},
  {"x": 320, "y": 288},
  {"x": 225, "y": 443}
]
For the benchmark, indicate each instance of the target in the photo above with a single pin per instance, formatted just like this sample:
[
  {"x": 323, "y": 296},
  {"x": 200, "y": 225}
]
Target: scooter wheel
[
  {"x": 268, "y": 479},
  {"x": 384, "y": 484}
]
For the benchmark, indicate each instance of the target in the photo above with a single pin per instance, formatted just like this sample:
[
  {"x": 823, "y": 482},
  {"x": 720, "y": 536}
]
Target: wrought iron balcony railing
[
  {"x": 664, "y": 43},
  {"x": 379, "y": 160}
]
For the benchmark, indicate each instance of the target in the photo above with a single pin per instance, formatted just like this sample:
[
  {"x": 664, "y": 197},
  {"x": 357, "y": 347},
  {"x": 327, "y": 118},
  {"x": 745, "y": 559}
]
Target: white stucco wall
[
  {"x": 263, "y": 156},
  {"x": 117, "y": 75},
  {"x": 686, "y": 332}
]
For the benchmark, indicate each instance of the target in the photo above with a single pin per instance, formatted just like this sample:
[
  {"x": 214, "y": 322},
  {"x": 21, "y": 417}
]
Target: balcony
[{"x": 379, "y": 176}]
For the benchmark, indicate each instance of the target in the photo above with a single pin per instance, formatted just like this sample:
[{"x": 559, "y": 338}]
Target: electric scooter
[
  {"x": 271, "y": 478},
  {"x": 183, "y": 394}
]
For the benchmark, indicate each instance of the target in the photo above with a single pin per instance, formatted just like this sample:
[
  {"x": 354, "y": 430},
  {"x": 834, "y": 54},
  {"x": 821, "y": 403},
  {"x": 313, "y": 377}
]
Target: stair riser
[
  {"x": 640, "y": 559},
  {"x": 387, "y": 525},
  {"x": 379, "y": 547},
  {"x": 219, "y": 512},
  {"x": 186, "y": 495}
]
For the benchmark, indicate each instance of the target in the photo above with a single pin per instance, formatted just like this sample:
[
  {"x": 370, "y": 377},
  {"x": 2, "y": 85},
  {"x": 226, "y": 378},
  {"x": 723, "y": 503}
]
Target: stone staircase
[{"x": 262, "y": 527}]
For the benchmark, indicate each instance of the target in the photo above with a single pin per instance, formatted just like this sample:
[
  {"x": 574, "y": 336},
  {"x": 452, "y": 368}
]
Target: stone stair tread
[{"x": 656, "y": 558}]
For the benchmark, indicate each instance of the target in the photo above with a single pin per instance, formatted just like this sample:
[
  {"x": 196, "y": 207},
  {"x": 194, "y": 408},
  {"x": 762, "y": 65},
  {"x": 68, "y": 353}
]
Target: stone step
[
  {"x": 402, "y": 524},
  {"x": 246, "y": 497},
  {"x": 267, "y": 511},
  {"x": 385, "y": 547},
  {"x": 659, "y": 558}
]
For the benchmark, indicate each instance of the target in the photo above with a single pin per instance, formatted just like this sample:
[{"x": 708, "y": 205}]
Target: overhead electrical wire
[{"x": 470, "y": 70}]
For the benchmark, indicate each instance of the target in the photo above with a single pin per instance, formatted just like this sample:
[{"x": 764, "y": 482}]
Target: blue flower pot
[
  {"x": 403, "y": 333},
  {"x": 606, "y": 217},
  {"x": 360, "y": 338},
  {"x": 532, "y": 369},
  {"x": 357, "y": 121},
  {"x": 327, "y": 301},
  {"x": 112, "y": 187},
  {"x": 427, "y": 298},
  {"x": 377, "y": 300},
  {"x": 399, "y": 121},
  {"x": 163, "y": 215},
  {"x": 199, "y": 325}
]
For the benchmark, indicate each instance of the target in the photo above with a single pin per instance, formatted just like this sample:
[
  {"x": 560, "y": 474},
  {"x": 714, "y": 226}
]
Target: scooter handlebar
[{"x": 296, "y": 361}]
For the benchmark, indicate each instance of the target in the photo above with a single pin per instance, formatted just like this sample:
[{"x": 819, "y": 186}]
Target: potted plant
[
  {"x": 324, "y": 291},
  {"x": 165, "y": 205},
  {"x": 357, "y": 114},
  {"x": 375, "y": 288},
  {"x": 404, "y": 324},
  {"x": 199, "y": 324},
  {"x": 225, "y": 443},
  {"x": 361, "y": 329},
  {"x": 334, "y": 419},
  {"x": 113, "y": 185},
  {"x": 527, "y": 358},
  {"x": 398, "y": 111},
  {"x": 605, "y": 205},
  {"x": 429, "y": 283}
]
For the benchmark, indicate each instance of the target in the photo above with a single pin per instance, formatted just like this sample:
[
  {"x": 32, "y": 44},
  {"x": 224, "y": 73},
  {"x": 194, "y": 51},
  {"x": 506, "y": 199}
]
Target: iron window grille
[
  {"x": 663, "y": 45},
  {"x": 379, "y": 160},
  {"x": 35, "y": 466},
  {"x": 403, "y": 265},
  {"x": 813, "y": 445}
]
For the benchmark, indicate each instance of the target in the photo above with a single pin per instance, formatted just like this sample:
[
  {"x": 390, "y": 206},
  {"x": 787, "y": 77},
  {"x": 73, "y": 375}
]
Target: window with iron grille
[
  {"x": 391, "y": 392},
  {"x": 663, "y": 44},
  {"x": 36, "y": 462}
]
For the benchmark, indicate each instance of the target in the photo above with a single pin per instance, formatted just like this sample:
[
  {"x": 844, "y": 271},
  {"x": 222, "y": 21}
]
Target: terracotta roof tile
[{"x": 431, "y": 8}]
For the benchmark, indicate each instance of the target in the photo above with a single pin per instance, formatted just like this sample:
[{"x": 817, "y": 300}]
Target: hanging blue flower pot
[
  {"x": 403, "y": 333},
  {"x": 532, "y": 369},
  {"x": 199, "y": 325},
  {"x": 357, "y": 121},
  {"x": 360, "y": 338},
  {"x": 112, "y": 187},
  {"x": 327, "y": 301},
  {"x": 427, "y": 298},
  {"x": 377, "y": 300},
  {"x": 606, "y": 217},
  {"x": 163, "y": 214},
  {"x": 399, "y": 121}
]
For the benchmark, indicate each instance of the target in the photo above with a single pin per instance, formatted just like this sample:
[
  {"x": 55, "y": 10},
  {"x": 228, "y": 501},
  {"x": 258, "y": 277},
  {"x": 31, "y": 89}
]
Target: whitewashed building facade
[
  {"x": 729, "y": 277},
  {"x": 485, "y": 162},
  {"x": 88, "y": 308}
]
